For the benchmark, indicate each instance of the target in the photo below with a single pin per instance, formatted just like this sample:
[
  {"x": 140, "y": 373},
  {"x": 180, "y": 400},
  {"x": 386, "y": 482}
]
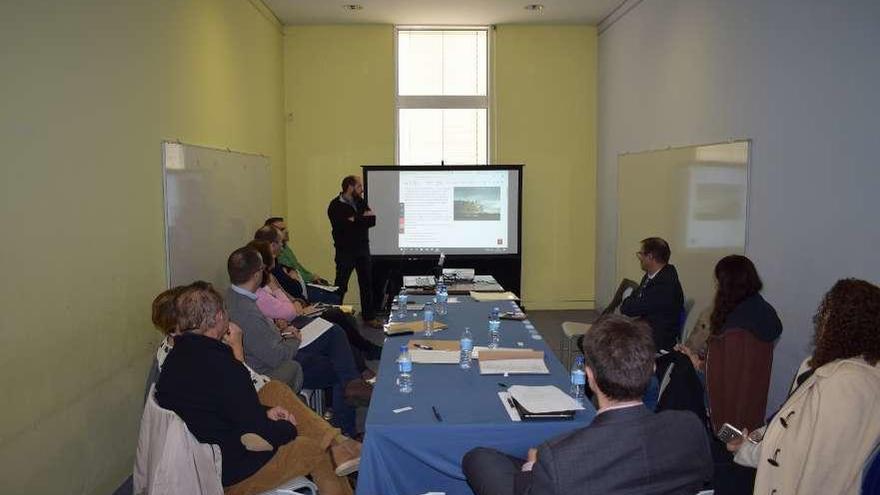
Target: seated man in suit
[
  {"x": 326, "y": 362},
  {"x": 659, "y": 299},
  {"x": 627, "y": 448}
]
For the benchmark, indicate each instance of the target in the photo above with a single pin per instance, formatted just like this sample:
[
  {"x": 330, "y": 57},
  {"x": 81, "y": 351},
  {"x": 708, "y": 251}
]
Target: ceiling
[{"x": 441, "y": 12}]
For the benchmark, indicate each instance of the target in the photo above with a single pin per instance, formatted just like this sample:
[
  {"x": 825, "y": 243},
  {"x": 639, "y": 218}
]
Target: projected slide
[
  {"x": 464, "y": 209},
  {"x": 454, "y": 211}
]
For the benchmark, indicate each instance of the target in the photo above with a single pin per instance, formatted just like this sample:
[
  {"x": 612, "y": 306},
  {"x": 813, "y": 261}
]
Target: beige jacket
[
  {"x": 820, "y": 439},
  {"x": 169, "y": 458}
]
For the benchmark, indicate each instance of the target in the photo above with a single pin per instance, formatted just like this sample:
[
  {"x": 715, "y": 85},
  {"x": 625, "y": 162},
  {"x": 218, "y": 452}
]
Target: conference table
[{"x": 413, "y": 452}]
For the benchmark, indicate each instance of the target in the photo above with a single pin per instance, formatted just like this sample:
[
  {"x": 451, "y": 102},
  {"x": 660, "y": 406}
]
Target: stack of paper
[
  {"x": 434, "y": 351},
  {"x": 514, "y": 361},
  {"x": 493, "y": 296},
  {"x": 313, "y": 330}
]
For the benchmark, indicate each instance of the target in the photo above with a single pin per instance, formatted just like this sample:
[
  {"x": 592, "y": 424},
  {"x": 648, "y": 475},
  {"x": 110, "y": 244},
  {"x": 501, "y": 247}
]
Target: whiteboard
[
  {"x": 696, "y": 198},
  {"x": 214, "y": 202}
]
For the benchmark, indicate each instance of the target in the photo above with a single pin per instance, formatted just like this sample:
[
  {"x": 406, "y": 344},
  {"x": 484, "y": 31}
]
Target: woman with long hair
[{"x": 819, "y": 440}]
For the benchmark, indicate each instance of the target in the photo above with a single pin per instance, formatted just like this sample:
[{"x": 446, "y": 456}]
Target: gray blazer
[
  {"x": 626, "y": 451},
  {"x": 264, "y": 348}
]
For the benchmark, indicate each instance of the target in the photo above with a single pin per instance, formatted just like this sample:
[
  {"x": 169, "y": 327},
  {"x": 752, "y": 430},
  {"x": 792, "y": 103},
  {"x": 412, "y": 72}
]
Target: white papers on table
[
  {"x": 543, "y": 399},
  {"x": 328, "y": 288},
  {"x": 423, "y": 356},
  {"x": 313, "y": 330},
  {"x": 493, "y": 296},
  {"x": 513, "y": 367},
  {"x": 508, "y": 406},
  {"x": 478, "y": 348}
]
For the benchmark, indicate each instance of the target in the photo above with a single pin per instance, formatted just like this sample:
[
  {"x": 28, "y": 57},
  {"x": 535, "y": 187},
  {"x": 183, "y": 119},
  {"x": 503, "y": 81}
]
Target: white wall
[{"x": 799, "y": 77}]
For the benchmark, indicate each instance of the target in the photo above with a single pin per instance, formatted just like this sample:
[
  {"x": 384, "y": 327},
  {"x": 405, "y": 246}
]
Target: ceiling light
[
  {"x": 353, "y": 6},
  {"x": 535, "y": 7}
]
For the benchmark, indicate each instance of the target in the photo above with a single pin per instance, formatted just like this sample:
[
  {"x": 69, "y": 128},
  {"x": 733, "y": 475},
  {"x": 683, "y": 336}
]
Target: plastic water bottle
[
  {"x": 494, "y": 328},
  {"x": 429, "y": 319},
  {"x": 578, "y": 380},
  {"x": 467, "y": 347},
  {"x": 404, "y": 371},
  {"x": 402, "y": 299},
  {"x": 442, "y": 299}
]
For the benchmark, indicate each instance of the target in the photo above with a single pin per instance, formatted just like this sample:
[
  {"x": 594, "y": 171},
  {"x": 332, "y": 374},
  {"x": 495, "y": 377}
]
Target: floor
[{"x": 548, "y": 323}]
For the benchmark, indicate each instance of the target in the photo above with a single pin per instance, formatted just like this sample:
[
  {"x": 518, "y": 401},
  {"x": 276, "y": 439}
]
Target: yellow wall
[
  {"x": 545, "y": 117},
  {"x": 339, "y": 95},
  {"x": 89, "y": 91},
  {"x": 339, "y": 83}
]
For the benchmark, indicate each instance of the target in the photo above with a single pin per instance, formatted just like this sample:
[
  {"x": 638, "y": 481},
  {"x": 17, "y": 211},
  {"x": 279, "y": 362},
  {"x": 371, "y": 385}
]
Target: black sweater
[
  {"x": 212, "y": 392},
  {"x": 350, "y": 236}
]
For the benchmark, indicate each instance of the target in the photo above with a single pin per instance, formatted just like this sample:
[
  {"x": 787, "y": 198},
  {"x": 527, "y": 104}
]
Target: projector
[{"x": 465, "y": 274}]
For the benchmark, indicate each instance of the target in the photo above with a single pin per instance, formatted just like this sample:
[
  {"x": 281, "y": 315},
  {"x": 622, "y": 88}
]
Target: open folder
[{"x": 542, "y": 402}]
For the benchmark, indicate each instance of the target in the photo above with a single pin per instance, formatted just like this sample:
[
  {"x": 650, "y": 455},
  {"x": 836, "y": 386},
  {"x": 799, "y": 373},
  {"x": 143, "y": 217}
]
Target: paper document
[
  {"x": 434, "y": 351},
  {"x": 493, "y": 296},
  {"x": 395, "y": 328},
  {"x": 313, "y": 330},
  {"x": 479, "y": 348},
  {"x": 422, "y": 356},
  {"x": 543, "y": 399},
  {"x": 328, "y": 288},
  {"x": 513, "y": 367},
  {"x": 506, "y": 401},
  {"x": 506, "y": 354}
]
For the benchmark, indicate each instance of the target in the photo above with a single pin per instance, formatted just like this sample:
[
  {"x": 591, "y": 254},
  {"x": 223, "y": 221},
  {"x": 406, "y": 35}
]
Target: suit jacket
[
  {"x": 659, "y": 301},
  {"x": 626, "y": 451},
  {"x": 264, "y": 349}
]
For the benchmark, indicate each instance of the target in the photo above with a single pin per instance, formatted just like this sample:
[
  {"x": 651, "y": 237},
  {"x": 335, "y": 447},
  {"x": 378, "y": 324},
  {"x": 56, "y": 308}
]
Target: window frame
[{"x": 439, "y": 102}]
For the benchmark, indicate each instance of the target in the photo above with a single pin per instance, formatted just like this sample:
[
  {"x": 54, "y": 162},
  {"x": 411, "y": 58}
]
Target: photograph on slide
[{"x": 476, "y": 204}]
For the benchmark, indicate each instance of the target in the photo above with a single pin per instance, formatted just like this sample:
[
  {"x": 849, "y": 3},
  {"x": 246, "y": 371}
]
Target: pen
[
  {"x": 425, "y": 347},
  {"x": 503, "y": 385},
  {"x": 436, "y": 414}
]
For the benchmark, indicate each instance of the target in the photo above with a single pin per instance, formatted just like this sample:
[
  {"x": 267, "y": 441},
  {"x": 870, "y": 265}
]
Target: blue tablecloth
[{"x": 411, "y": 453}]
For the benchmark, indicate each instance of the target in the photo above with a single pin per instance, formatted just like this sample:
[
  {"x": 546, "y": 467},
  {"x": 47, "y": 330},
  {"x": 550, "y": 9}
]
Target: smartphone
[{"x": 728, "y": 433}]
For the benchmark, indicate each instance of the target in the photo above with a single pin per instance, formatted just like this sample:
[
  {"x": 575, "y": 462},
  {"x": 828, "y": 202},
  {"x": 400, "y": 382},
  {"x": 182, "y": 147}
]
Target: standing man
[
  {"x": 659, "y": 299},
  {"x": 351, "y": 218}
]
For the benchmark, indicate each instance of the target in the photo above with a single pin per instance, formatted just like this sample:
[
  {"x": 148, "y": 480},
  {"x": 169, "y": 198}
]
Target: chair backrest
[
  {"x": 618, "y": 295},
  {"x": 169, "y": 459}
]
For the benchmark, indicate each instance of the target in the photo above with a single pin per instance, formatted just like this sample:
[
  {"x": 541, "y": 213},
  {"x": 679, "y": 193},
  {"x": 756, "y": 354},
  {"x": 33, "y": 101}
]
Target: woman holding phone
[{"x": 819, "y": 440}]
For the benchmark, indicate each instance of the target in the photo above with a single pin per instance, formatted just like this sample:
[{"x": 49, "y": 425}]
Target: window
[{"x": 442, "y": 96}]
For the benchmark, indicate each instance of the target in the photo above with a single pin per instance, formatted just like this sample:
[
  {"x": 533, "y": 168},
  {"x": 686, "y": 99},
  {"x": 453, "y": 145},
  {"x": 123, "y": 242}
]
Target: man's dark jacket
[
  {"x": 350, "y": 236},
  {"x": 624, "y": 451},
  {"x": 658, "y": 301}
]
